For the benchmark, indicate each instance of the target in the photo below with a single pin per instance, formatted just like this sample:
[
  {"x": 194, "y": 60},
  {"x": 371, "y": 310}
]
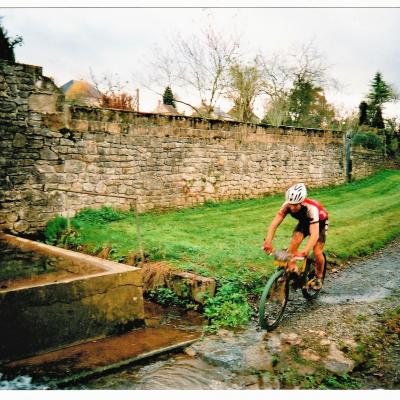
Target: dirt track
[{"x": 351, "y": 306}]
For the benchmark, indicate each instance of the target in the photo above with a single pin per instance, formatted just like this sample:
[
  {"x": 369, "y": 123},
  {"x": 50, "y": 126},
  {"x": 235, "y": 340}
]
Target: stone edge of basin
[{"x": 106, "y": 265}]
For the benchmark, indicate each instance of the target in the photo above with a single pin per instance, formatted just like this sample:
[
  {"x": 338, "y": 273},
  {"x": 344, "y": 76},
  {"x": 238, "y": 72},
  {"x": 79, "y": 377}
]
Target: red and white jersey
[{"x": 310, "y": 211}]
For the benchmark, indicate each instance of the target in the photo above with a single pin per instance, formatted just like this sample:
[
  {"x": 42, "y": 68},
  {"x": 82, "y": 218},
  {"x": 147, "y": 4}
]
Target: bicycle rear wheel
[
  {"x": 309, "y": 276},
  {"x": 273, "y": 300}
]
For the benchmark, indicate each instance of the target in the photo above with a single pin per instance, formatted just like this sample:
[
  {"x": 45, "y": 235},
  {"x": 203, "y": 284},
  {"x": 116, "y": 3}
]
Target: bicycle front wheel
[{"x": 273, "y": 300}]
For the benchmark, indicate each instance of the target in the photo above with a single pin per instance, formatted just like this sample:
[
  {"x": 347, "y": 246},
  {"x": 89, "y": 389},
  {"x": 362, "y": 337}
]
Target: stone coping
[{"x": 109, "y": 267}]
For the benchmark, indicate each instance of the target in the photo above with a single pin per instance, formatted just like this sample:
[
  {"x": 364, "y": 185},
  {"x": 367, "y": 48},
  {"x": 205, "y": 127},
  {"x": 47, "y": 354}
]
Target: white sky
[{"x": 67, "y": 42}]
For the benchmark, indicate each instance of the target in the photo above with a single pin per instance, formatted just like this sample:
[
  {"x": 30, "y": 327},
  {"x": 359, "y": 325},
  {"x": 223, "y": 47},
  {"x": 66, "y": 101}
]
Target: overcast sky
[{"x": 67, "y": 42}]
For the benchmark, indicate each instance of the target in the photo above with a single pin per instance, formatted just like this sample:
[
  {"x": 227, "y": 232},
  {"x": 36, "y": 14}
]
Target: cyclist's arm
[
  {"x": 272, "y": 228},
  {"x": 313, "y": 239}
]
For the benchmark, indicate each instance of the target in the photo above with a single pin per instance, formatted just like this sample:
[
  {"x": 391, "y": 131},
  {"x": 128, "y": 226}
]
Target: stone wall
[
  {"x": 365, "y": 162},
  {"x": 55, "y": 157}
]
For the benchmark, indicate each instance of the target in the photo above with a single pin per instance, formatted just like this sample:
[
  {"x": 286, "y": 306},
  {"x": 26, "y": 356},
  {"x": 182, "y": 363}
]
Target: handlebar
[{"x": 283, "y": 255}]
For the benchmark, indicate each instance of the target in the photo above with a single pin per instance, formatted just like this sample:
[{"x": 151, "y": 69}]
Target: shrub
[
  {"x": 55, "y": 229},
  {"x": 103, "y": 215},
  {"x": 229, "y": 308},
  {"x": 164, "y": 296},
  {"x": 367, "y": 140}
]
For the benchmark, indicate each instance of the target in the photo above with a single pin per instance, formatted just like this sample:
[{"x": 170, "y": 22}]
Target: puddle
[{"x": 365, "y": 281}]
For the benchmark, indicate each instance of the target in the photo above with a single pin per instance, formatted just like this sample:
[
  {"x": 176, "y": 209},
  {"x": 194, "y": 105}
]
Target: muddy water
[
  {"x": 223, "y": 364},
  {"x": 176, "y": 372}
]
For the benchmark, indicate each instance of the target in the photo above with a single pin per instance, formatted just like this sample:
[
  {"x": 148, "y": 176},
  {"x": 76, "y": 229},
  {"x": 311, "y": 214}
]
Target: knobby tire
[{"x": 273, "y": 297}]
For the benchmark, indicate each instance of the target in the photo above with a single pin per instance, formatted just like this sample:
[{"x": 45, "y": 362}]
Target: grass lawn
[{"x": 221, "y": 239}]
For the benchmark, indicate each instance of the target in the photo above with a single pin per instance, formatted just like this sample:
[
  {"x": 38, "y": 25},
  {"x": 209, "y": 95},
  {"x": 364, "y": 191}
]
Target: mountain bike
[{"x": 276, "y": 292}]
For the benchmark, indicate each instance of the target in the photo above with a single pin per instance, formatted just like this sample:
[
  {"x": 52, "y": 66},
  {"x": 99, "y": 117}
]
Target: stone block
[
  {"x": 19, "y": 140},
  {"x": 21, "y": 226},
  {"x": 48, "y": 154},
  {"x": 101, "y": 188},
  {"x": 79, "y": 125},
  {"x": 74, "y": 166},
  {"x": 43, "y": 102},
  {"x": 7, "y": 106},
  {"x": 189, "y": 285},
  {"x": 88, "y": 187}
]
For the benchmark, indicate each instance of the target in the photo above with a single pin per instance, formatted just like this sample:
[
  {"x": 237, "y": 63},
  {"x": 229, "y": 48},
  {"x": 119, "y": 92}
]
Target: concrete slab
[{"x": 78, "y": 362}]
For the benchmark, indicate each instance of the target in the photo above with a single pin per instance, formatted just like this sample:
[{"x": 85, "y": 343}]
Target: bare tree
[
  {"x": 275, "y": 75},
  {"x": 286, "y": 78},
  {"x": 199, "y": 64},
  {"x": 308, "y": 64}
]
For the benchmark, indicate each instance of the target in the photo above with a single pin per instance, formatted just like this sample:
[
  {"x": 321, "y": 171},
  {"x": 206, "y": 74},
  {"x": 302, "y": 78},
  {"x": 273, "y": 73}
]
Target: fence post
[
  {"x": 139, "y": 234},
  {"x": 348, "y": 164},
  {"x": 65, "y": 195}
]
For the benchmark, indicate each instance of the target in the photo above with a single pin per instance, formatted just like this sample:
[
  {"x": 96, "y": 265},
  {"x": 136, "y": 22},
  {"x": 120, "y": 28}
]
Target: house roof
[
  {"x": 81, "y": 91},
  {"x": 253, "y": 117},
  {"x": 217, "y": 113},
  {"x": 165, "y": 109}
]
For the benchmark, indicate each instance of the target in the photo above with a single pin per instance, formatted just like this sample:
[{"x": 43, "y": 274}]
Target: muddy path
[{"x": 339, "y": 334}]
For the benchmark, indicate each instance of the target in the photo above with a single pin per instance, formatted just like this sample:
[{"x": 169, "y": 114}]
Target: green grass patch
[{"x": 223, "y": 240}]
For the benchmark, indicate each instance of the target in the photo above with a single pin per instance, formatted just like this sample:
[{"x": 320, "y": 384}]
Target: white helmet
[{"x": 296, "y": 193}]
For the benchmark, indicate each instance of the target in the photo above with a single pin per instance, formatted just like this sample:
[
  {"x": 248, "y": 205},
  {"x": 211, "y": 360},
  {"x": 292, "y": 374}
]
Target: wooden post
[
  {"x": 67, "y": 211},
  {"x": 138, "y": 233}
]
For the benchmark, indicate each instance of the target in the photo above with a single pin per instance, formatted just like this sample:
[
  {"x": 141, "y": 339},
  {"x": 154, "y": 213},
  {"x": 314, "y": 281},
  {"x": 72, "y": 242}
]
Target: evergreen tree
[
  {"x": 363, "y": 117},
  {"x": 168, "y": 97},
  {"x": 380, "y": 92},
  {"x": 301, "y": 98},
  {"x": 377, "y": 120},
  {"x": 7, "y": 45}
]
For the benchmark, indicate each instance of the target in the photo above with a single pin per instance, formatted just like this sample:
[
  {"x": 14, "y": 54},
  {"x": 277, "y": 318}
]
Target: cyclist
[{"x": 313, "y": 222}]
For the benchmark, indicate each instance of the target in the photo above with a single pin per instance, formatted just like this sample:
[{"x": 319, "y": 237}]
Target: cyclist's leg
[
  {"x": 319, "y": 259},
  {"x": 319, "y": 249},
  {"x": 295, "y": 242}
]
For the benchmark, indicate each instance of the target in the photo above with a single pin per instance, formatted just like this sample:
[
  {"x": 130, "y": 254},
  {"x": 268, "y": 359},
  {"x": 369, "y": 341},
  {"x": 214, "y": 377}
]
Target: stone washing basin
[{"x": 70, "y": 298}]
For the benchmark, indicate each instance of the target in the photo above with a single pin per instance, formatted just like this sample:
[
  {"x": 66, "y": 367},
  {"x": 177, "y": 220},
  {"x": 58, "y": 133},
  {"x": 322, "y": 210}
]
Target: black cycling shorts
[{"x": 304, "y": 228}]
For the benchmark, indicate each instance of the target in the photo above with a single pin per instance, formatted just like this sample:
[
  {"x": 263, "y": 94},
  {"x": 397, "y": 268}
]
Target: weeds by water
[
  {"x": 229, "y": 308},
  {"x": 165, "y": 297}
]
